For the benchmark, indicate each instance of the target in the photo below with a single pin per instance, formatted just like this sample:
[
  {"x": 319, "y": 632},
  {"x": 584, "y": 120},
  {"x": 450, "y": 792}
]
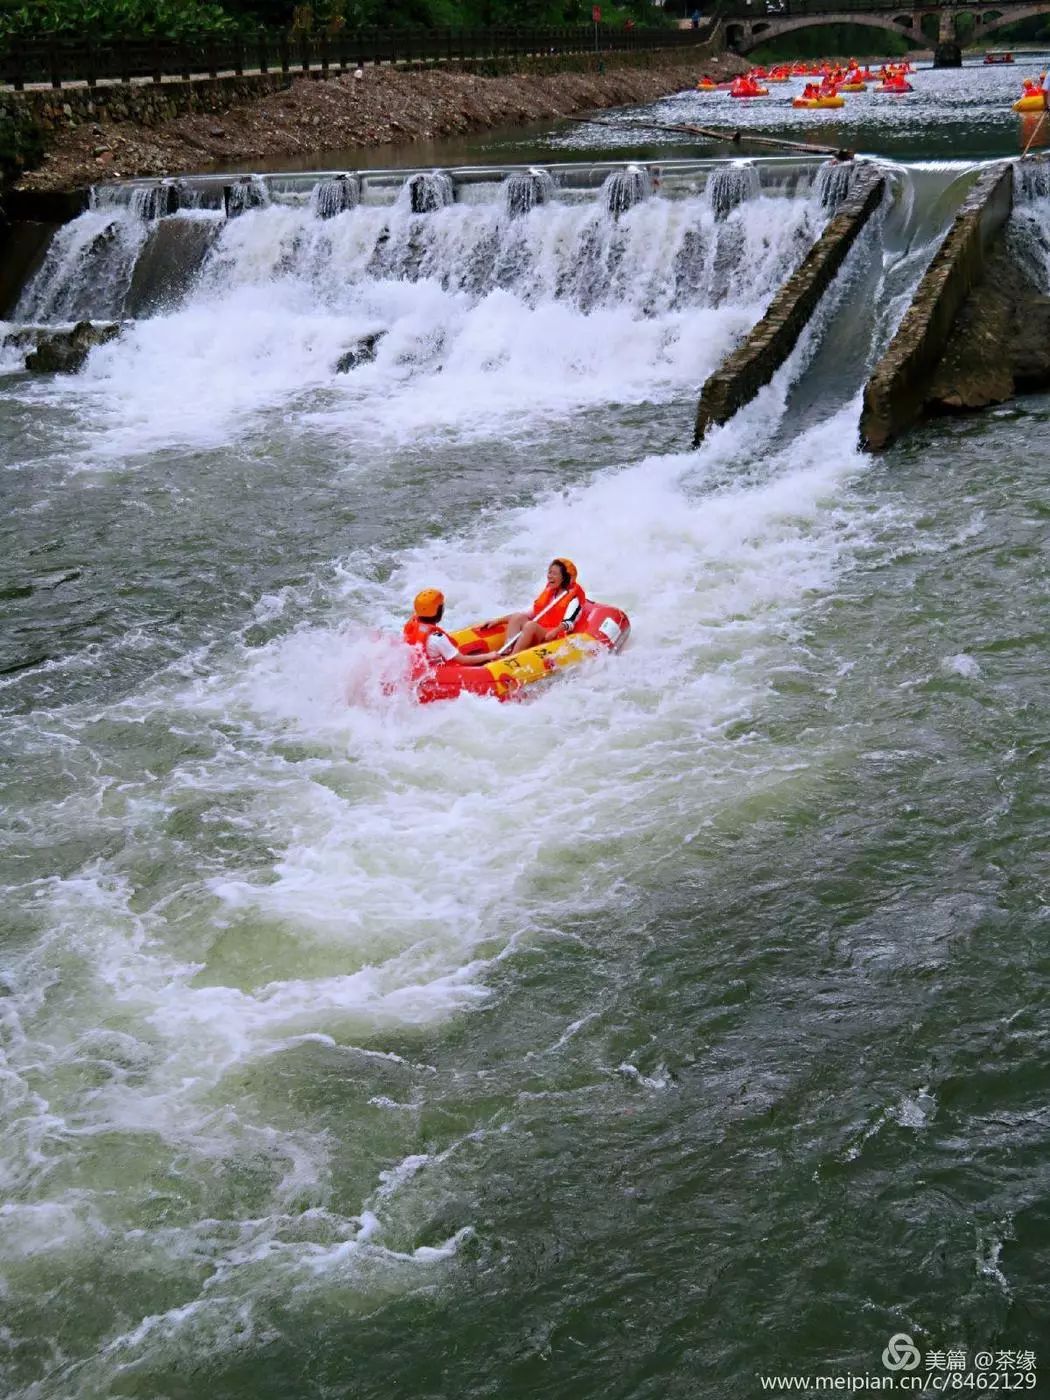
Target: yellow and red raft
[{"x": 600, "y": 629}]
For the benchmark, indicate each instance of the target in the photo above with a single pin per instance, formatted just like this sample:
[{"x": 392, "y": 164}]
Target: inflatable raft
[
  {"x": 601, "y": 628},
  {"x": 1031, "y": 102},
  {"x": 833, "y": 100}
]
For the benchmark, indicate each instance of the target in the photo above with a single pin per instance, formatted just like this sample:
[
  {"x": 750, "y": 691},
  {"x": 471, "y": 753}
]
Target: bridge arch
[
  {"x": 1002, "y": 19},
  {"x": 745, "y": 37}
]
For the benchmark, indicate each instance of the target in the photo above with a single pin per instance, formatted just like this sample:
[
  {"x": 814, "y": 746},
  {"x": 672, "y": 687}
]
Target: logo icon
[{"x": 901, "y": 1353}]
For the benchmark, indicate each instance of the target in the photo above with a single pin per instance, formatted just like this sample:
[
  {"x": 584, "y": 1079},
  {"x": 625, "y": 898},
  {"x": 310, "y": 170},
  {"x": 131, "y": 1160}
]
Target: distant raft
[
  {"x": 1033, "y": 99},
  {"x": 831, "y": 99},
  {"x": 600, "y": 629}
]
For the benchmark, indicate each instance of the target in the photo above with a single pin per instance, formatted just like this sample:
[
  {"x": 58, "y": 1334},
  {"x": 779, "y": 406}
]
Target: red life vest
[
  {"x": 417, "y": 633},
  {"x": 552, "y": 604}
]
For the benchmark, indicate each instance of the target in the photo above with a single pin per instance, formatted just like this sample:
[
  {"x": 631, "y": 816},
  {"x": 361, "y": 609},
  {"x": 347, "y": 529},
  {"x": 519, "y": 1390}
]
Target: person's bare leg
[
  {"x": 515, "y": 623},
  {"x": 531, "y": 635}
]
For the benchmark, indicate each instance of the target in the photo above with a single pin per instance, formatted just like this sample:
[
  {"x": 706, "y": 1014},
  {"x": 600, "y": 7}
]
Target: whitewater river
[{"x": 684, "y": 1025}]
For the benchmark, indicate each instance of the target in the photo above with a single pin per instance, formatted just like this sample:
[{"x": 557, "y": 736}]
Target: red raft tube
[{"x": 601, "y": 629}]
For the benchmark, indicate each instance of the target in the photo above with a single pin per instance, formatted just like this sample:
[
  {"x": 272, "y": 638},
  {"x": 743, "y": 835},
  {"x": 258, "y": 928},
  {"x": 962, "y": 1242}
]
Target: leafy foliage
[
  {"x": 111, "y": 19},
  {"x": 186, "y": 19}
]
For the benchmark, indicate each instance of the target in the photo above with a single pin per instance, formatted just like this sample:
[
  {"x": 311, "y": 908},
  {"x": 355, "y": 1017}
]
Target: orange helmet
[
  {"x": 569, "y": 567},
  {"x": 428, "y": 602}
]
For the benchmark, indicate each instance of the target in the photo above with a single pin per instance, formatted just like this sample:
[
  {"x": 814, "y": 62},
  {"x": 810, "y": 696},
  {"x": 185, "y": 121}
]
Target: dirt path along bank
[{"x": 383, "y": 106}]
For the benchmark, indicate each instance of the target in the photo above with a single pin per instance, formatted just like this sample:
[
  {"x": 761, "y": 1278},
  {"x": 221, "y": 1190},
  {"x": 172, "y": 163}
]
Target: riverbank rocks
[
  {"x": 64, "y": 352},
  {"x": 362, "y": 352}
]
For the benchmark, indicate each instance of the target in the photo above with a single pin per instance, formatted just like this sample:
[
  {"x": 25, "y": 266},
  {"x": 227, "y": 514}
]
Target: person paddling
[
  {"x": 554, "y": 613},
  {"x": 423, "y": 631}
]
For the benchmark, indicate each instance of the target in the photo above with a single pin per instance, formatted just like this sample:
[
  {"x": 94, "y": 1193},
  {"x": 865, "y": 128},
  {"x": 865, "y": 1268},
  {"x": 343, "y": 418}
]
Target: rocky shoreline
[{"x": 376, "y": 107}]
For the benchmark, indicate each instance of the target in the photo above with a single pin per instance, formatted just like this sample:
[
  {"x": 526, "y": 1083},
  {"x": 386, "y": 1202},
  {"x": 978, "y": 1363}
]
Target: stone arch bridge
[{"x": 749, "y": 23}]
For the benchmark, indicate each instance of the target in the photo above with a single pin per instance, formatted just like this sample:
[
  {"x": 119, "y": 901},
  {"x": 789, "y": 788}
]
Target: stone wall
[
  {"x": 147, "y": 104},
  {"x": 897, "y": 391},
  {"x": 1000, "y": 344},
  {"x": 754, "y": 363}
]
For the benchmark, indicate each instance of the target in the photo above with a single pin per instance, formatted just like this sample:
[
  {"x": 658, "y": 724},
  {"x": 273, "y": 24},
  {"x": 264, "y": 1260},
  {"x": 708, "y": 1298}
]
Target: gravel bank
[{"x": 383, "y": 107}]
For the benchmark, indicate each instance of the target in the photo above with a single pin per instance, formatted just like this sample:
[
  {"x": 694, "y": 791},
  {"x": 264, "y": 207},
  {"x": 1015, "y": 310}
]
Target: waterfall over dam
[{"x": 656, "y": 240}]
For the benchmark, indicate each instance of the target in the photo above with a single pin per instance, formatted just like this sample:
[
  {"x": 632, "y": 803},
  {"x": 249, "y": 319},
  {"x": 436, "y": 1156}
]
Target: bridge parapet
[{"x": 749, "y": 23}]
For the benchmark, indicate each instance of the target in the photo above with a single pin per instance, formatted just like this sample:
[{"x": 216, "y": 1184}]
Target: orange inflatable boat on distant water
[{"x": 600, "y": 629}]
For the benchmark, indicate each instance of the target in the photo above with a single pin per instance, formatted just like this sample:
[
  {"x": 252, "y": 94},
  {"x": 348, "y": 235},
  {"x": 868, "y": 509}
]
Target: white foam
[{"x": 384, "y": 856}]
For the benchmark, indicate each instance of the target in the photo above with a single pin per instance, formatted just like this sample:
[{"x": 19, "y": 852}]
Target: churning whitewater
[{"x": 253, "y": 898}]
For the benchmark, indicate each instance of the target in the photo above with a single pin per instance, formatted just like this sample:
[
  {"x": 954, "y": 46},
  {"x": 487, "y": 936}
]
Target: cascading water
[
  {"x": 526, "y": 190},
  {"x": 626, "y": 188},
  {"x": 834, "y": 182},
  {"x": 428, "y": 191},
  {"x": 250, "y": 192},
  {"x": 88, "y": 268},
  {"x": 730, "y": 185},
  {"x": 331, "y": 197},
  {"x": 666, "y": 287},
  {"x": 1029, "y": 229},
  {"x": 1032, "y": 179},
  {"x": 149, "y": 202}
]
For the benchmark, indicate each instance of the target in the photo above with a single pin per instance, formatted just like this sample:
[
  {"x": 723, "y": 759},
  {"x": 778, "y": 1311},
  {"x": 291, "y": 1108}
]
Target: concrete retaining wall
[
  {"x": 753, "y": 365},
  {"x": 149, "y": 104},
  {"x": 896, "y": 392}
]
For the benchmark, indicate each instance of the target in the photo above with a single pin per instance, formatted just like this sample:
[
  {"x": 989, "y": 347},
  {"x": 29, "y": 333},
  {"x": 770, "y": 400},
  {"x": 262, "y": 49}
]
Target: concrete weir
[
  {"x": 896, "y": 393},
  {"x": 772, "y": 340}
]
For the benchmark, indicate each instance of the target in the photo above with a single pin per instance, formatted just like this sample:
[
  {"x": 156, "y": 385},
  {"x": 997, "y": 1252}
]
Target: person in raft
[
  {"x": 554, "y": 613},
  {"x": 423, "y": 630}
]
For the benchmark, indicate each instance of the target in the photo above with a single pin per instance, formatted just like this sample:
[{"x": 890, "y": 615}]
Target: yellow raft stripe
[{"x": 535, "y": 664}]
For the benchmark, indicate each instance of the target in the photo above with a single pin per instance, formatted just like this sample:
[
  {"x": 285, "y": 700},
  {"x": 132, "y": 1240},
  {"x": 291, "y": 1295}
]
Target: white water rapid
[{"x": 263, "y": 875}]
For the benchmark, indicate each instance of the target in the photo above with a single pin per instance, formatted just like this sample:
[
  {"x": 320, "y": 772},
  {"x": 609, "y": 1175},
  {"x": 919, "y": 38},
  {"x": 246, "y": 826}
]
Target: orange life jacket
[
  {"x": 552, "y": 604},
  {"x": 417, "y": 633}
]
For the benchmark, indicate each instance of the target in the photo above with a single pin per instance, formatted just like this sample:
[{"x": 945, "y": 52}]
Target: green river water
[{"x": 683, "y": 1027}]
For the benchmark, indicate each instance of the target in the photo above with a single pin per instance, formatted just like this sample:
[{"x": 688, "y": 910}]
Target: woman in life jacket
[
  {"x": 554, "y": 613},
  {"x": 423, "y": 630}
]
